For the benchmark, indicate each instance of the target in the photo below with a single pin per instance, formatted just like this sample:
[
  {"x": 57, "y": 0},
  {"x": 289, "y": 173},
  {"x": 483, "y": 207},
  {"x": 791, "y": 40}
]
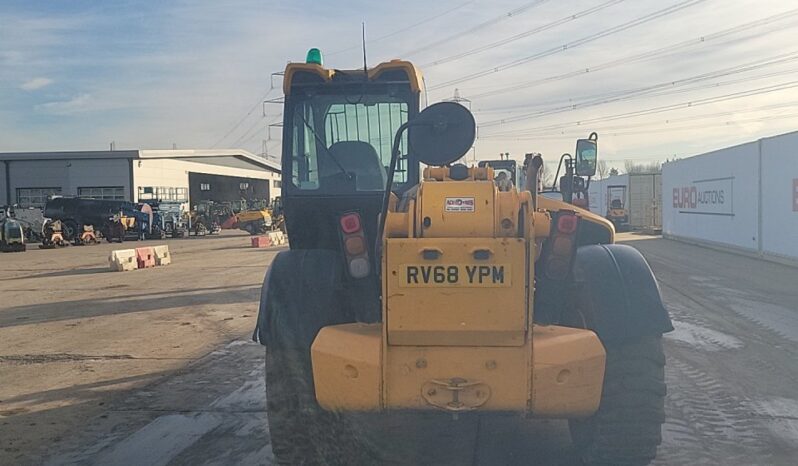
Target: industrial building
[
  {"x": 29, "y": 178},
  {"x": 743, "y": 198}
]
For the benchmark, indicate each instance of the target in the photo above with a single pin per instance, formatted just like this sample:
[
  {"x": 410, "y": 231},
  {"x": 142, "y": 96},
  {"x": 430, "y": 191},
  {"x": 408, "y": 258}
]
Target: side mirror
[
  {"x": 587, "y": 155},
  {"x": 442, "y": 133}
]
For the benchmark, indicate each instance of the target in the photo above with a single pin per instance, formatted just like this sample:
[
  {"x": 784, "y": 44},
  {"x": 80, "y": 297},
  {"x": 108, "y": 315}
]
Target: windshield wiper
[{"x": 323, "y": 145}]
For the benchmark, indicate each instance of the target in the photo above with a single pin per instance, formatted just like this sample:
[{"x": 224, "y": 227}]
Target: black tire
[
  {"x": 69, "y": 229},
  {"x": 250, "y": 228},
  {"x": 627, "y": 428},
  {"x": 301, "y": 432},
  {"x": 290, "y": 317}
]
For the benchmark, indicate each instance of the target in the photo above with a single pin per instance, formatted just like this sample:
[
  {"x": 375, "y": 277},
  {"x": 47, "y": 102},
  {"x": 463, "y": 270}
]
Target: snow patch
[
  {"x": 779, "y": 319},
  {"x": 702, "y": 337},
  {"x": 161, "y": 440},
  {"x": 782, "y": 414}
]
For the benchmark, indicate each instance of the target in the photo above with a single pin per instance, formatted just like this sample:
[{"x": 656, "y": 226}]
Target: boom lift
[{"x": 437, "y": 295}]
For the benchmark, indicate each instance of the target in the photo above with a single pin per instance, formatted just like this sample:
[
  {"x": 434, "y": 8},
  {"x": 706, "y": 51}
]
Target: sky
[{"x": 657, "y": 79}]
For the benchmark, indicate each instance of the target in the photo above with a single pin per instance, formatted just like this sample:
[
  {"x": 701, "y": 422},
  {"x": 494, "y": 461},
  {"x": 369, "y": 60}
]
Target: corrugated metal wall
[
  {"x": 645, "y": 200},
  {"x": 742, "y": 197}
]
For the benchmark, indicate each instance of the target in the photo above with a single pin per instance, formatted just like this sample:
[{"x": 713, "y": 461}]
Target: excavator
[{"x": 414, "y": 303}]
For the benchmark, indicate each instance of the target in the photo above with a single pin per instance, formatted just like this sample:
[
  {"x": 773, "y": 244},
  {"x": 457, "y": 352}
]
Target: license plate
[{"x": 458, "y": 275}]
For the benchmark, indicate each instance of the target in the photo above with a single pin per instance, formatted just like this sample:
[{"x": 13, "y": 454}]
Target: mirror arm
[
  {"x": 559, "y": 166},
  {"x": 386, "y": 198},
  {"x": 533, "y": 164}
]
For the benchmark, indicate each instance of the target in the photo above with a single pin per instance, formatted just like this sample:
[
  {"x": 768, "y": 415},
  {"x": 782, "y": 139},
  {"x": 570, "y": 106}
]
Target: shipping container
[
  {"x": 645, "y": 201},
  {"x": 712, "y": 197},
  {"x": 743, "y": 197},
  {"x": 779, "y": 196}
]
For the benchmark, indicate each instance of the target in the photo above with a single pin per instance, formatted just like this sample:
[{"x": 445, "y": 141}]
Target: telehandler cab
[{"x": 432, "y": 295}]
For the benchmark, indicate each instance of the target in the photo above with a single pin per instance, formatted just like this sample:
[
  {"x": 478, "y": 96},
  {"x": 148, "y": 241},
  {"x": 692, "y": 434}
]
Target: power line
[
  {"x": 249, "y": 138},
  {"x": 247, "y": 132},
  {"x": 701, "y": 117},
  {"x": 584, "y": 40},
  {"x": 508, "y": 15},
  {"x": 650, "y": 91},
  {"x": 254, "y": 107},
  {"x": 660, "y": 130},
  {"x": 404, "y": 29},
  {"x": 640, "y": 56},
  {"x": 522, "y": 35},
  {"x": 622, "y": 94},
  {"x": 727, "y": 72},
  {"x": 661, "y": 109}
]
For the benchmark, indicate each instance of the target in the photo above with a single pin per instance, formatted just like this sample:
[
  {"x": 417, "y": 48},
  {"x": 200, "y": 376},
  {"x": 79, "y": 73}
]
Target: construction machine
[
  {"x": 417, "y": 301},
  {"x": 207, "y": 217},
  {"x": 276, "y": 211},
  {"x": 509, "y": 168},
  {"x": 52, "y": 235},
  {"x": 253, "y": 221},
  {"x": 12, "y": 237},
  {"x": 87, "y": 237},
  {"x": 616, "y": 207}
]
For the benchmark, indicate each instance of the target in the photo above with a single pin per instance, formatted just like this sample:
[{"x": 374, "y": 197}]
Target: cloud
[
  {"x": 79, "y": 103},
  {"x": 36, "y": 83},
  {"x": 186, "y": 72}
]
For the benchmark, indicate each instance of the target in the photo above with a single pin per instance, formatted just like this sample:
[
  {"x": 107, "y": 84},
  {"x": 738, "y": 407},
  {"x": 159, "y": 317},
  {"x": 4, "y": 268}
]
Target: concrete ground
[
  {"x": 155, "y": 366},
  {"x": 75, "y": 336}
]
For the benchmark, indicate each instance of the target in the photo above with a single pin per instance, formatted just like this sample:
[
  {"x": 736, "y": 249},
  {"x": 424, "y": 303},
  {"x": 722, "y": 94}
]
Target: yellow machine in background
[
  {"x": 616, "y": 207},
  {"x": 254, "y": 221},
  {"x": 411, "y": 294}
]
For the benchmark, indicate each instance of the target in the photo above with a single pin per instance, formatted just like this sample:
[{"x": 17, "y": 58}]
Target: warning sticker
[{"x": 459, "y": 204}]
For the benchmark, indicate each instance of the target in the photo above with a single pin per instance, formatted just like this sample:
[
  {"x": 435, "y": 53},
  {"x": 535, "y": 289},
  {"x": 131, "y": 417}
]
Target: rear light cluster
[
  {"x": 354, "y": 242},
  {"x": 562, "y": 246}
]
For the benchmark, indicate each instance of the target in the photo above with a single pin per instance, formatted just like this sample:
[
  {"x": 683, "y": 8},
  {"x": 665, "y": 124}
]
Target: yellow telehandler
[{"x": 413, "y": 302}]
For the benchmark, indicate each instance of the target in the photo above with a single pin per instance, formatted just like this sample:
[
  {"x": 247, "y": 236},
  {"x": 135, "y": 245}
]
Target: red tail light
[
  {"x": 350, "y": 223},
  {"x": 566, "y": 223},
  {"x": 561, "y": 246},
  {"x": 354, "y": 243}
]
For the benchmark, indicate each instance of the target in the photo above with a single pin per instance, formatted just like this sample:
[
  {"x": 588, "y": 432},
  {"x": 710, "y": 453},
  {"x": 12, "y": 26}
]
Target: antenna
[{"x": 363, "y": 31}]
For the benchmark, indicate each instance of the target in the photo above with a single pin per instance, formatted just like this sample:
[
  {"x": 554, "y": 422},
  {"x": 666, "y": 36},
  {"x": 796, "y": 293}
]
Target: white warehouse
[{"x": 28, "y": 178}]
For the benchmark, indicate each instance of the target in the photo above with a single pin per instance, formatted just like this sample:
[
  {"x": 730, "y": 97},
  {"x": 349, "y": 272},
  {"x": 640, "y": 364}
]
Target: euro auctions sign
[{"x": 705, "y": 197}]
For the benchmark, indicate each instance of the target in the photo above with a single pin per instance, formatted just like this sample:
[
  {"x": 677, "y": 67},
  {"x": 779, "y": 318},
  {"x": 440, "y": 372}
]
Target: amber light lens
[{"x": 354, "y": 246}]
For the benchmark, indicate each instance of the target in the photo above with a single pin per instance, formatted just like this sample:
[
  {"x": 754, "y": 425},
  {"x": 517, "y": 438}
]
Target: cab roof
[{"x": 297, "y": 74}]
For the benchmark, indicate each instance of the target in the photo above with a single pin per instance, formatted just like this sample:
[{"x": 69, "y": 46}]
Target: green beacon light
[{"x": 314, "y": 56}]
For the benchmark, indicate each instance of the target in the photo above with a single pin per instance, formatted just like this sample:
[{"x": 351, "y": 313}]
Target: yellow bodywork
[
  {"x": 457, "y": 330},
  {"x": 248, "y": 216},
  {"x": 412, "y": 74}
]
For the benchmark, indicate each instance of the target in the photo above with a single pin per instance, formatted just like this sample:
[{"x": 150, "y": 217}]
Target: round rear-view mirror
[{"x": 442, "y": 133}]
